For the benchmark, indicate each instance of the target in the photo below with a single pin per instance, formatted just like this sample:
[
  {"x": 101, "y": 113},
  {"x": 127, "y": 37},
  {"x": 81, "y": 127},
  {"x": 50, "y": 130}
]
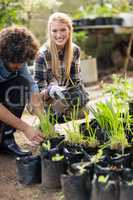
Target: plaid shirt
[{"x": 43, "y": 70}]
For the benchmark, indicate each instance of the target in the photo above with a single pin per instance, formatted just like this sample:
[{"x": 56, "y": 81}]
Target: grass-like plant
[
  {"x": 91, "y": 139},
  {"x": 46, "y": 126},
  {"x": 72, "y": 130},
  {"x": 111, "y": 120},
  {"x": 97, "y": 157}
]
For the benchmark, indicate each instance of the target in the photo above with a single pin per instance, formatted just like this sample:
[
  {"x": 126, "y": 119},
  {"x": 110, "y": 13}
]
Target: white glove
[{"x": 56, "y": 92}]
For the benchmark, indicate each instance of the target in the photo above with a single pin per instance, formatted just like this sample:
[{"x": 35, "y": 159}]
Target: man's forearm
[{"x": 7, "y": 117}]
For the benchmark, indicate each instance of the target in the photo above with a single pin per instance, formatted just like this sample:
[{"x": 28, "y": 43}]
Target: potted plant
[
  {"x": 47, "y": 127},
  {"x": 53, "y": 162},
  {"x": 110, "y": 119},
  {"x": 90, "y": 143},
  {"x": 29, "y": 169},
  {"x": 76, "y": 185}
]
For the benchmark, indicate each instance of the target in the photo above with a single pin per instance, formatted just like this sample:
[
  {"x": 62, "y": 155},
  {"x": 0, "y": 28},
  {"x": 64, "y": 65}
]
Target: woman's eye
[
  {"x": 54, "y": 30},
  {"x": 63, "y": 30}
]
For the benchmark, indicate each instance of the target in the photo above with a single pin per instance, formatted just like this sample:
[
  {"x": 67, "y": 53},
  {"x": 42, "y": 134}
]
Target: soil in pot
[{"x": 29, "y": 169}]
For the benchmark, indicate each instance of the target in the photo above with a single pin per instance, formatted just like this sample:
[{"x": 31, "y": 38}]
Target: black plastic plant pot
[
  {"x": 72, "y": 157},
  {"x": 91, "y": 150},
  {"x": 55, "y": 141},
  {"x": 130, "y": 103},
  {"x": 101, "y": 134},
  {"x": 117, "y": 21},
  {"x": 109, "y": 21},
  {"x": 83, "y": 129},
  {"x": 126, "y": 190},
  {"x": 121, "y": 161},
  {"x": 89, "y": 22},
  {"x": 113, "y": 173},
  {"x": 100, "y": 21},
  {"x": 108, "y": 151},
  {"x": 29, "y": 169},
  {"x": 93, "y": 123},
  {"x": 87, "y": 167},
  {"x": 51, "y": 172},
  {"x": 105, "y": 188},
  {"x": 75, "y": 187},
  {"x": 127, "y": 174},
  {"x": 129, "y": 134}
]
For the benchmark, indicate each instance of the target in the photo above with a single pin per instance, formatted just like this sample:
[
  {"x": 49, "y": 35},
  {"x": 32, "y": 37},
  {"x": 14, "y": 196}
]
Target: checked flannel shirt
[{"x": 43, "y": 70}]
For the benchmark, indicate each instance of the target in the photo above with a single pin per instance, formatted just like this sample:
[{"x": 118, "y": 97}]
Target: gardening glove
[{"x": 55, "y": 92}]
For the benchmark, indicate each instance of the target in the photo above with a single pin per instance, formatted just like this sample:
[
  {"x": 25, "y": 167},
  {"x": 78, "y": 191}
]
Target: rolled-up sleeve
[{"x": 26, "y": 74}]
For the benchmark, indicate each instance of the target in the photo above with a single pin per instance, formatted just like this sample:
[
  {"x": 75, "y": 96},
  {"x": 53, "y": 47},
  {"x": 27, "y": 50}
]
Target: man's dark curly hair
[{"x": 17, "y": 44}]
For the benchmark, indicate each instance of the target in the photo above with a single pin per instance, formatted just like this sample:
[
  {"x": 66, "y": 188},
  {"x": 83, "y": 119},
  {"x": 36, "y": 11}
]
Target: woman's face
[{"x": 60, "y": 33}]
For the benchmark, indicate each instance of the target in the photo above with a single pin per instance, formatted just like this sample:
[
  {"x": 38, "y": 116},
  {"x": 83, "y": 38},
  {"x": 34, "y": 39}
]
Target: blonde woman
[{"x": 57, "y": 64}]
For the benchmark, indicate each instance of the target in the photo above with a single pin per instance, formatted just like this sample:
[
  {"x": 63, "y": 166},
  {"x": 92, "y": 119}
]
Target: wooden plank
[{"x": 123, "y": 30}]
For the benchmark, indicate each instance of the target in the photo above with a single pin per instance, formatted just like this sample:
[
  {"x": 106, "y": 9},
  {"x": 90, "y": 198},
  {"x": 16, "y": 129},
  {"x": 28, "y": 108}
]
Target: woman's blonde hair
[{"x": 63, "y": 18}]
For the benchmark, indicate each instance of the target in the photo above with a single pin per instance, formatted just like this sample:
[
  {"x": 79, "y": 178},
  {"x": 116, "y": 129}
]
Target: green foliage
[
  {"x": 121, "y": 91},
  {"x": 81, "y": 167},
  {"x": 57, "y": 157},
  {"x": 46, "y": 145},
  {"x": 96, "y": 158},
  {"x": 103, "y": 179},
  {"x": 111, "y": 120},
  {"x": 90, "y": 140},
  {"x": 107, "y": 8},
  {"x": 46, "y": 126},
  {"x": 73, "y": 134},
  {"x": 10, "y": 12}
]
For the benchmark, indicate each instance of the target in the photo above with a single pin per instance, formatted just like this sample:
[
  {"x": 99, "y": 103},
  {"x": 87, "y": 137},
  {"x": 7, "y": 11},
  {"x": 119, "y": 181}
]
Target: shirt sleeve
[
  {"x": 26, "y": 74},
  {"x": 43, "y": 72}
]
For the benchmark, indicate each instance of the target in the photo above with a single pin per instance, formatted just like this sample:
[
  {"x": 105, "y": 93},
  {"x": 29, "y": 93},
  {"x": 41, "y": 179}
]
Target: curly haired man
[{"x": 17, "y": 46}]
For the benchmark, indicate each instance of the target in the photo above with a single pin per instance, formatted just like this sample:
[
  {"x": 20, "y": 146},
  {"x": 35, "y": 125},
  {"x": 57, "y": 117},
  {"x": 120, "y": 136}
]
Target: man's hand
[{"x": 33, "y": 135}]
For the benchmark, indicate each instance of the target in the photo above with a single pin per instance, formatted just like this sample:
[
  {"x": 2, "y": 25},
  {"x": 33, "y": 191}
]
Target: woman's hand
[{"x": 56, "y": 92}]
